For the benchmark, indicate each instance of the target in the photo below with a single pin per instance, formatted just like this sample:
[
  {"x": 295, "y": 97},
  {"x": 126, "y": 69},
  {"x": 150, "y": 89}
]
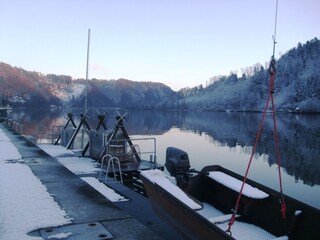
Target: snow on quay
[
  {"x": 25, "y": 203},
  {"x": 82, "y": 165}
]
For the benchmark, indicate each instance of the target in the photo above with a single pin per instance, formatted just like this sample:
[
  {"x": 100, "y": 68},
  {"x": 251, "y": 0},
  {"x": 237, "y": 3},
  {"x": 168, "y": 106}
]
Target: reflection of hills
[
  {"x": 299, "y": 135},
  {"x": 152, "y": 122},
  {"x": 38, "y": 125},
  {"x": 299, "y": 138}
]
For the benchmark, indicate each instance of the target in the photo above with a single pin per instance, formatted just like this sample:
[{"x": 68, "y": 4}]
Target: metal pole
[
  {"x": 87, "y": 73},
  {"x": 275, "y": 30}
]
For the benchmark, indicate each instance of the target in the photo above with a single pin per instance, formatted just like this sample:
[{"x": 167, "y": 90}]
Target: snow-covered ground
[{"x": 25, "y": 204}]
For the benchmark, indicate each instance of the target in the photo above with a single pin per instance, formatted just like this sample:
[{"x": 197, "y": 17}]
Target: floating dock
[{"x": 92, "y": 215}]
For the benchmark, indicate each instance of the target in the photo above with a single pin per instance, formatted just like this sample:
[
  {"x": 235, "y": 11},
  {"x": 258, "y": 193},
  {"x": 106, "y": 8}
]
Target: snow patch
[
  {"x": 25, "y": 203},
  {"x": 74, "y": 91},
  {"x": 8, "y": 150},
  {"x": 79, "y": 165},
  {"x": 66, "y": 157},
  {"x": 208, "y": 211},
  {"x": 109, "y": 193},
  {"x": 3, "y": 136},
  {"x": 56, "y": 150},
  {"x": 245, "y": 231},
  {"x": 16, "y": 99},
  {"x": 236, "y": 184},
  {"x": 60, "y": 236},
  {"x": 158, "y": 177}
]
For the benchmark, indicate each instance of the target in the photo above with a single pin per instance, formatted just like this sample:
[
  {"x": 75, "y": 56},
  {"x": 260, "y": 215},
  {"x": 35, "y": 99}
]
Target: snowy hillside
[
  {"x": 70, "y": 93},
  {"x": 297, "y": 88}
]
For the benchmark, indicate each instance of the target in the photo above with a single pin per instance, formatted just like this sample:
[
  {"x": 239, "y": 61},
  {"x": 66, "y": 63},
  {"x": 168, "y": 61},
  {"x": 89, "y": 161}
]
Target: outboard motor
[{"x": 178, "y": 165}]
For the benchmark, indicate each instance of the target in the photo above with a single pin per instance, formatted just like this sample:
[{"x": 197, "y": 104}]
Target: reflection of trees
[
  {"x": 299, "y": 135},
  {"x": 36, "y": 122},
  {"x": 299, "y": 138},
  {"x": 151, "y": 122}
]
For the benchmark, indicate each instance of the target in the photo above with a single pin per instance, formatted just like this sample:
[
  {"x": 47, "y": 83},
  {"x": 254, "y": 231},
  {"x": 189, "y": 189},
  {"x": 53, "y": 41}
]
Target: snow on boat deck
[
  {"x": 158, "y": 177},
  {"x": 240, "y": 230},
  {"x": 236, "y": 184}
]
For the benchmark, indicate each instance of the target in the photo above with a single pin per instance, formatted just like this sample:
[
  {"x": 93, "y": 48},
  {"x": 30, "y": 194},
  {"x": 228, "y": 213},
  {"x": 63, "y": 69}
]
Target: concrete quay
[{"x": 93, "y": 215}]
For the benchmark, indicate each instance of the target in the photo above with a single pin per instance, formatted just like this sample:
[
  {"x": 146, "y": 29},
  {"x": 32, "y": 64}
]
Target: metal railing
[
  {"x": 111, "y": 161},
  {"x": 152, "y": 152},
  {"x": 12, "y": 124},
  {"x": 151, "y": 149}
]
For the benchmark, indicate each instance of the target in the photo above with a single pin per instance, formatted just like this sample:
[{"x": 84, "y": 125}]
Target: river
[{"x": 219, "y": 138}]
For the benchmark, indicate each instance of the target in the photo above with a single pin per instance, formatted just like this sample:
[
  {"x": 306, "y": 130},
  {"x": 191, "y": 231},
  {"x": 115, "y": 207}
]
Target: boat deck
[{"x": 93, "y": 215}]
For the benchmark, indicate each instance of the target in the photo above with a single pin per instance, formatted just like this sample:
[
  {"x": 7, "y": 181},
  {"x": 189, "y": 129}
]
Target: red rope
[
  {"x": 272, "y": 71},
  {"x": 283, "y": 205},
  {"x": 232, "y": 219}
]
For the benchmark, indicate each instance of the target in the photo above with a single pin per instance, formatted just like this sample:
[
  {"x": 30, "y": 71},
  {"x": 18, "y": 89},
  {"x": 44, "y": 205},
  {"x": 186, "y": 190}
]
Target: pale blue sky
[{"x": 181, "y": 43}]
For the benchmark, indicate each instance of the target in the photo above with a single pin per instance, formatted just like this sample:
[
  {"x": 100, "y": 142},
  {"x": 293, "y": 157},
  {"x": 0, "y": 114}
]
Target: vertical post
[
  {"x": 87, "y": 74},
  {"x": 275, "y": 30}
]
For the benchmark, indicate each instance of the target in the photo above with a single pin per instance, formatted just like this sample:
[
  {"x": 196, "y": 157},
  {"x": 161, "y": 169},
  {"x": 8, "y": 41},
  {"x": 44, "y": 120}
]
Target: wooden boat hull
[{"x": 264, "y": 213}]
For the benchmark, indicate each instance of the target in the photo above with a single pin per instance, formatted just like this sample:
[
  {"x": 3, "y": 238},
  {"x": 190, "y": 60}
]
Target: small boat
[{"x": 199, "y": 205}]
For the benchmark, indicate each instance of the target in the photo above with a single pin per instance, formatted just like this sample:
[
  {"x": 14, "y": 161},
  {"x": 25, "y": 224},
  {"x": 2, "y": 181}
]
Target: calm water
[{"x": 219, "y": 138}]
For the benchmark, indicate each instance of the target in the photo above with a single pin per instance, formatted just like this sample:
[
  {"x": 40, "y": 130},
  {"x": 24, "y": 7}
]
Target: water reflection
[
  {"x": 299, "y": 138},
  {"x": 299, "y": 135}
]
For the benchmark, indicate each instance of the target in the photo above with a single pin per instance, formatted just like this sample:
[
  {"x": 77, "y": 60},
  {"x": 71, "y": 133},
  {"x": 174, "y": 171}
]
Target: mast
[{"x": 87, "y": 74}]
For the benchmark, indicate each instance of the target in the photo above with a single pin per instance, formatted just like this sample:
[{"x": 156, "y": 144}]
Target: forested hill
[
  {"x": 297, "y": 88},
  {"x": 25, "y": 88},
  {"x": 21, "y": 88}
]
